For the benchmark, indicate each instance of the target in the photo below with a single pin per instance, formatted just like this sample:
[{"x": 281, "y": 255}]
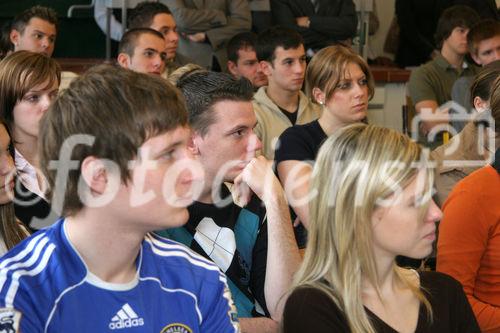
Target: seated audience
[
  {"x": 321, "y": 23},
  {"x": 430, "y": 84},
  {"x": 373, "y": 203},
  {"x": 35, "y": 30},
  {"x": 242, "y": 59},
  {"x": 11, "y": 230},
  {"x": 469, "y": 234},
  {"x": 206, "y": 27},
  {"x": 28, "y": 84},
  {"x": 143, "y": 50},
  {"x": 250, "y": 238},
  {"x": 281, "y": 104},
  {"x": 484, "y": 46},
  {"x": 470, "y": 149},
  {"x": 340, "y": 81},
  {"x": 125, "y": 132},
  {"x": 157, "y": 16}
]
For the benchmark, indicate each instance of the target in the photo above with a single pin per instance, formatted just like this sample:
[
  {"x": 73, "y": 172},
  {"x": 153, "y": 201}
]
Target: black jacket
[{"x": 336, "y": 20}]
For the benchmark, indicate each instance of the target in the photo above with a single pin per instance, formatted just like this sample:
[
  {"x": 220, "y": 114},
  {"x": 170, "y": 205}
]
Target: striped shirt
[{"x": 46, "y": 287}]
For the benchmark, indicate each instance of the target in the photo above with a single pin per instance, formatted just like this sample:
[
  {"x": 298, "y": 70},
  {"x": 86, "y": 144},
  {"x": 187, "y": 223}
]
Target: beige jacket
[
  {"x": 452, "y": 165},
  {"x": 271, "y": 121}
]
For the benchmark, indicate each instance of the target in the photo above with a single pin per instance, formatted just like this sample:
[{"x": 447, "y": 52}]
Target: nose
[
  {"x": 173, "y": 36},
  {"x": 254, "y": 143},
  {"x": 434, "y": 213},
  {"x": 193, "y": 171},
  {"x": 496, "y": 54},
  {"x": 46, "y": 101}
]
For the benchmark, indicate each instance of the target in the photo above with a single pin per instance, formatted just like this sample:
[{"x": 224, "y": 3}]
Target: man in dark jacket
[{"x": 320, "y": 22}]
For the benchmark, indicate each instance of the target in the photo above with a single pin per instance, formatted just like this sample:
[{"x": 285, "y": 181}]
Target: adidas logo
[{"x": 124, "y": 318}]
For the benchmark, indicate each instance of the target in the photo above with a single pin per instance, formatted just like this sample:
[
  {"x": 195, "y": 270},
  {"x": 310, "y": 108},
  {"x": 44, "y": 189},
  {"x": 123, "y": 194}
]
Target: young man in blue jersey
[
  {"x": 250, "y": 237},
  {"x": 116, "y": 159}
]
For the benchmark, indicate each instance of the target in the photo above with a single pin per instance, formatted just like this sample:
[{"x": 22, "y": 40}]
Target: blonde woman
[
  {"x": 340, "y": 81},
  {"x": 372, "y": 204}
]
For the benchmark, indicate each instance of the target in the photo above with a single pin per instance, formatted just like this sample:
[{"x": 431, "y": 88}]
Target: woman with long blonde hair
[{"x": 372, "y": 203}]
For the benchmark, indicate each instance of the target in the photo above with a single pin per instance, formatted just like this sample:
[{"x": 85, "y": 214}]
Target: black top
[
  {"x": 300, "y": 143},
  {"x": 235, "y": 238},
  {"x": 33, "y": 211},
  {"x": 310, "y": 310}
]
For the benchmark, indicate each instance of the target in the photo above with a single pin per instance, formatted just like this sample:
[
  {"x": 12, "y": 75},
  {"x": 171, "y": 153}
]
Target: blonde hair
[
  {"x": 328, "y": 67},
  {"x": 339, "y": 250}
]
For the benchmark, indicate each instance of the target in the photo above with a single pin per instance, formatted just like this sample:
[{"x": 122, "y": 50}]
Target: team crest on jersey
[
  {"x": 176, "y": 328},
  {"x": 9, "y": 320}
]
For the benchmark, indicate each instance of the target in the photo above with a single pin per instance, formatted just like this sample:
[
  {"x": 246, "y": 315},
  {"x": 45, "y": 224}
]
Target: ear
[
  {"x": 94, "y": 174},
  {"x": 123, "y": 60},
  {"x": 377, "y": 215},
  {"x": 318, "y": 95},
  {"x": 193, "y": 143},
  {"x": 14, "y": 37},
  {"x": 475, "y": 58},
  {"x": 232, "y": 68},
  {"x": 480, "y": 104},
  {"x": 266, "y": 67}
]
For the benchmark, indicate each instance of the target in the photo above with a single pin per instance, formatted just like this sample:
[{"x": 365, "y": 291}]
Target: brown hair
[
  {"x": 327, "y": 68},
  {"x": 44, "y": 13},
  {"x": 495, "y": 103},
  {"x": 19, "y": 73},
  {"x": 129, "y": 40},
  {"x": 481, "y": 86},
  {"x": 10, "y": 230},
  {"x": 120, "y": 109},
  {"x": 482, "y": 30}
]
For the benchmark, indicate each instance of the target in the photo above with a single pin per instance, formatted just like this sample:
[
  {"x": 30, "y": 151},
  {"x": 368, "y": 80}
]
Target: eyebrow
[
  {"x": 43, "y": 33},
  {"x": 238, "y": 127}
]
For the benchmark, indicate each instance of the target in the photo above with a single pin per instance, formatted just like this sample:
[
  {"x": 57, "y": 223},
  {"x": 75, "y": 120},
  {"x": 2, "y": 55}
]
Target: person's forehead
[
  {"x": 150, "y": 41},
  {"x": 247, "y": 53},
  {"x": 281, "y": 53},
  {"x": 227, "y": 112},
  {"x": 163, "y": 20},
  {"x": 488, "y": 42},
  {"x": 36, "y": 23}
]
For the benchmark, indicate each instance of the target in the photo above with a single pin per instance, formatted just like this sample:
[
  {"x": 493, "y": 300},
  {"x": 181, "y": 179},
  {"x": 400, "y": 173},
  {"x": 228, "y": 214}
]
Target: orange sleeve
[{"x": 463, "y": 238}]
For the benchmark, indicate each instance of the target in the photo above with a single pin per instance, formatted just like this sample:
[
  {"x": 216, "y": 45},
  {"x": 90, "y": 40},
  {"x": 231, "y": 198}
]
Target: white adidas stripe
[
  {"x": 128, "y": 310},
  {"x": 11, "y": 293},
  {"x": 177, "y": 246},
  {"x": 23, "y": 253},
  {"x": 192, "y": 257},
  {"x": 35, "y": 254},
  {"x": 200, "y": 317}
]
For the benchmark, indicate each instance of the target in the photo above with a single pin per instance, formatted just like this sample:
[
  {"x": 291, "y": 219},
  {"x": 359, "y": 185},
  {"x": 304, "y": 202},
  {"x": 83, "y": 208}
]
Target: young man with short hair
[
  {"x": 483, "y": 40},
  {"x": 242, "y": 59},
  {"x": 157, "y": 16},
  {"x": 142, "y": 50},
  {"x": 116, "y": 144},
  {"x": 430, "y": 84},
  {"x": 248, "y": 232},
  {"x": 35, "y": 30},
  {"x": 282, "y": 103}
]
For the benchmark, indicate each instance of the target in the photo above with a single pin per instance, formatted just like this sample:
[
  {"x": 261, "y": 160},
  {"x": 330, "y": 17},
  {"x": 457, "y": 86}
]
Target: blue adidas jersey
[{"x": 46, "y": 287}]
